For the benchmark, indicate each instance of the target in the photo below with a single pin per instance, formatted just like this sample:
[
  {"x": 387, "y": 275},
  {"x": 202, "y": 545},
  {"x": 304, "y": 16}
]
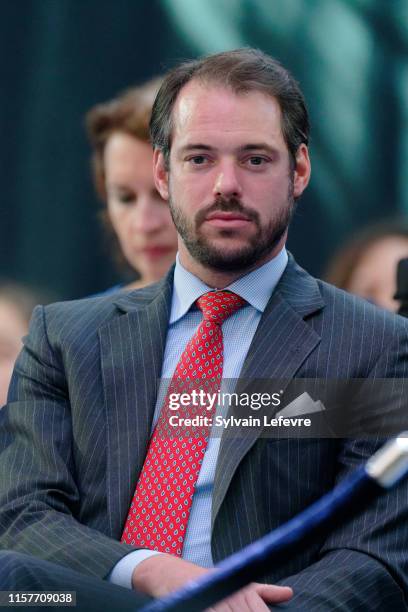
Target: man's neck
[{"x": 219, "y": 279}]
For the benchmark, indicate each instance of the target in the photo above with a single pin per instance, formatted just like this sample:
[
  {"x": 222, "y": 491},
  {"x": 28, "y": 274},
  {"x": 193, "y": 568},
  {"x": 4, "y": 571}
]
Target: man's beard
[{"x": 258, "y": 246}]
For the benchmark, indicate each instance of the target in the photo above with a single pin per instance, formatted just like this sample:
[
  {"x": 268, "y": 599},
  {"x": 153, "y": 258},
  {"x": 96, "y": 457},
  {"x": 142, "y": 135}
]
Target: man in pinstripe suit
[{"x": 230, "y": 135}]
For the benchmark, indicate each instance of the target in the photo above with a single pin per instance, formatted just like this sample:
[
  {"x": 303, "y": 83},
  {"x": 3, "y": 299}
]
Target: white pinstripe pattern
[{"x": 74, "y": 436}]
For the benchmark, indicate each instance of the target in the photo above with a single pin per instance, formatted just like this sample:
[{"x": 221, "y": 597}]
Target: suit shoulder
[
  {"x": 99, "y": 305},
  {"x": 341, "y": 303},
  {"x": 74, "y": 318},
  {"x": 93, "y": 307}
]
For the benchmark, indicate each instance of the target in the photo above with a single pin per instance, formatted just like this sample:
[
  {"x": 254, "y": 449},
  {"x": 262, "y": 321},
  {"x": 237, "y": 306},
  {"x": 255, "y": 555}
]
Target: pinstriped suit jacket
[{"x": 74, "y": 434}]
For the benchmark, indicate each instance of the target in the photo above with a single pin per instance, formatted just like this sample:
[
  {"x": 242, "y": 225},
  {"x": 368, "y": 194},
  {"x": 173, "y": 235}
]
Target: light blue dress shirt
[{"x": 238, "y": 331}]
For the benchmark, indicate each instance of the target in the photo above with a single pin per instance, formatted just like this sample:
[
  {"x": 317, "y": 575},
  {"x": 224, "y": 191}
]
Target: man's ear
[
  {"x": 160, "y": 174},
  {"x": 302, "y": 171}
]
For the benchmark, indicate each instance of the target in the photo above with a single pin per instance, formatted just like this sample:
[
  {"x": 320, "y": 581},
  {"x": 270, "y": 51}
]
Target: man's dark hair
[{"x": 241, "y": 70}]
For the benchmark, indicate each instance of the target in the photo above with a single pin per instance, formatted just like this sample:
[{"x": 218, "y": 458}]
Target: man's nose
[
  {"x": 145, "y": 218},
  {"x": 227, "y": 182}
]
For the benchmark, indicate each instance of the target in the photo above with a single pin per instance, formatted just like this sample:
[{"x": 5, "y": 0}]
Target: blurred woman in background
[
  {"x": 134, "y": 213},
  {"x": 367, "y": 264},
  {"x": 16, "y": 305}
]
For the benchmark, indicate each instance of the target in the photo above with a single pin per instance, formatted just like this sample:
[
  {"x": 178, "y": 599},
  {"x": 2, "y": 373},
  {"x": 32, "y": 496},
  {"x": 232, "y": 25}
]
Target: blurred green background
[{"x": 59, "y": 57}]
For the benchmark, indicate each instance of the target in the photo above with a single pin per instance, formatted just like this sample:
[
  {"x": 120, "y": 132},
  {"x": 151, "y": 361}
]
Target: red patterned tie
[{"x": 160, "y": 508}]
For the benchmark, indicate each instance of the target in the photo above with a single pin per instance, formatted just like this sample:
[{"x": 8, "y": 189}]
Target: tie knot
[{"x": 217, "y": 306}]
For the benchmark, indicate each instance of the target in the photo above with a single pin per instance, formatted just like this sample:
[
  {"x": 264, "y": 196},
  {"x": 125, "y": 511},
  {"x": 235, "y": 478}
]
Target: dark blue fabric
[
  {"x": 74, "y": 435},
  {"x": 20, "y": 572}
]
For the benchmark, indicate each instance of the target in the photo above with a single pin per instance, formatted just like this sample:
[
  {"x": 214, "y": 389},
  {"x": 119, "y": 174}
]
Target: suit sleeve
[
  {"x": 39, "y": 496},
  {"x": 364, "y": 564}
]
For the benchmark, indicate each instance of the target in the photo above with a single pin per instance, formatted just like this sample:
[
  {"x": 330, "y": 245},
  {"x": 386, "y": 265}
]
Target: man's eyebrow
[
  {"x": 194, "y": 146},
  {"x": 256, "y": 146}
]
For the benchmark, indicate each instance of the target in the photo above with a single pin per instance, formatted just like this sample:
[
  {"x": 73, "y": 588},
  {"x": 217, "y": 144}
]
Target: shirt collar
[{"x": 256, "y": 287}]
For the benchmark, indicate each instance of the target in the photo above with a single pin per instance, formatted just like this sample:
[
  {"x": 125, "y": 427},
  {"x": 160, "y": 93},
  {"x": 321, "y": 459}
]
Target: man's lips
[{"x": 227, "y": 219}]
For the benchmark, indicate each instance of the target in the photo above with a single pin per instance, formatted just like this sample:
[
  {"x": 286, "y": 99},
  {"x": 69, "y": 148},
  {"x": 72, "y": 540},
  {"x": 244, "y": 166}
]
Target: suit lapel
[
  {"x": 281, "y": 344},
  {"x": 132, "y": 346}
]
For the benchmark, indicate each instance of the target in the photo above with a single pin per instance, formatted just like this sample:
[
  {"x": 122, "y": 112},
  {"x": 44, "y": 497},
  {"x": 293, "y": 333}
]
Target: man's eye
[
  {"x": 197, "y": 160},
  {"x": 256, "y": 160}
]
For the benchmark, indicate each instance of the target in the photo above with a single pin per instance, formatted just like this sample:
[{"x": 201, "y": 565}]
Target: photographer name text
[{"x": 232, "y": 421}]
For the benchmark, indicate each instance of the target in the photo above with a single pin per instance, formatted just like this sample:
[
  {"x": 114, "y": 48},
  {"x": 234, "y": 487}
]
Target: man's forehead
[{"x": 206, "y": 104}]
